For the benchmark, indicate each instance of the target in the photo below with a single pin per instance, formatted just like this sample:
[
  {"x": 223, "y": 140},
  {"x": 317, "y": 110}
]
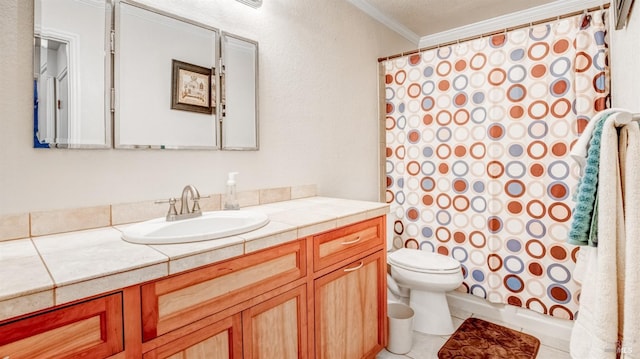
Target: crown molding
[
  {"x": 518, "y": 18},
  {"x": 253, "y": 3},
  {"x": 389, "y": 22},
  {"x": 534, "y": 14}
]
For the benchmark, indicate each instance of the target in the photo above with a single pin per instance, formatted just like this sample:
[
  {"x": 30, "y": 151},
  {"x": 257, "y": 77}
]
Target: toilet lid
[{"x": 422, "y": 261}]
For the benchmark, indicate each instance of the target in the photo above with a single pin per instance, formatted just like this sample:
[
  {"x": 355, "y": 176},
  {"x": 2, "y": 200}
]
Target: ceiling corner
[{"x": 389, "y": 22}]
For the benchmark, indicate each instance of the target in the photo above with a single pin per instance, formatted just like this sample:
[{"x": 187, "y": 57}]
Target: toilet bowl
[{"x": 427, "y": 276}]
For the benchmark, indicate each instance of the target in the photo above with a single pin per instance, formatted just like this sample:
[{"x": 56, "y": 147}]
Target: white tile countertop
[{"x": 41, "y": 272}]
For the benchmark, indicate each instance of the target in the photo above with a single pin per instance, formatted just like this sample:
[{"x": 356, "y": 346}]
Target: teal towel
[{"x": 584, "y": 227}]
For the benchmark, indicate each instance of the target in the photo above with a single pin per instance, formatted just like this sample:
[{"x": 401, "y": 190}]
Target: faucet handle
[
  {"x": 173, "y": 212},
  {"x": 170, "y": 200},
  {"x": 196, "y": 203}
]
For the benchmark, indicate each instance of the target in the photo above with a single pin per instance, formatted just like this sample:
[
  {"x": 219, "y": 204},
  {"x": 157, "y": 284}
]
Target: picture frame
[{"x": 191, "y": 88}]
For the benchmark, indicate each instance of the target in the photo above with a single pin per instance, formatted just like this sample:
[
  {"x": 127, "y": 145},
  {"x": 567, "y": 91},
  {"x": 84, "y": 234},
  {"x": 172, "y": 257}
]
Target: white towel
[
  {"x": 630, "y": 157},
  {"x": 581, "y": 147},
  {"x": 595, "y": 331}
]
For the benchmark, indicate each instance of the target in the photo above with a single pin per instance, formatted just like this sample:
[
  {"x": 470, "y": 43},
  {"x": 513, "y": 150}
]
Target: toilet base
[{"x": 432, "y": 315}]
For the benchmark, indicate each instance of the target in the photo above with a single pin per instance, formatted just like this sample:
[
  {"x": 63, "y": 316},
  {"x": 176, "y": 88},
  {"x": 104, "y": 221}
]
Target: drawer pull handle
[
  {"x": 351, "y": 242},
  {"x": 354, "y": 268}
]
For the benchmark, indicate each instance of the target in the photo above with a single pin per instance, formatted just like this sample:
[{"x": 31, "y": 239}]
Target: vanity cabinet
[
  {"x": 348, "y": 305},
  {"x": 92, "y": 329},
  {"x": 321, "y": 296},
  {"x": 274, "y": 328},
  {"x": 171, "y": 303},
  {"x": 350, "y": 300},
  {"x": 240, "y": 308}
]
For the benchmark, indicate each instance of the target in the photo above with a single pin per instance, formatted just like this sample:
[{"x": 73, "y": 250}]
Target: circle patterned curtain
[{"x": 478, "y": 136}]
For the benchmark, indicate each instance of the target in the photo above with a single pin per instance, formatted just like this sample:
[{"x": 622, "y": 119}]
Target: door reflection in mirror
[
  {"x": 71, "y": 58},
  {"x": 51, "y": 92}
]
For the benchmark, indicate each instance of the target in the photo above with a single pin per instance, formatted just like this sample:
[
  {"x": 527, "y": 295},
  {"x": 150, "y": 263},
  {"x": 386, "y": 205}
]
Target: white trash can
[{"x": 400, "y": 328}]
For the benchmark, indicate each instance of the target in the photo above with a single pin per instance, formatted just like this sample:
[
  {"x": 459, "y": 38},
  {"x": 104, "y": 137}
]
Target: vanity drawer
[
  {"x": 347, "y": 242},
  {"x": 174, "y": 302},
  {"x": 92, "y": 329}
]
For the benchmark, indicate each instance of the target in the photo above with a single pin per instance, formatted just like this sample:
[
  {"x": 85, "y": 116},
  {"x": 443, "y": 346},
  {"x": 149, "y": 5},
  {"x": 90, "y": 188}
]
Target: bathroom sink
[{"x": 210, "y": 225}]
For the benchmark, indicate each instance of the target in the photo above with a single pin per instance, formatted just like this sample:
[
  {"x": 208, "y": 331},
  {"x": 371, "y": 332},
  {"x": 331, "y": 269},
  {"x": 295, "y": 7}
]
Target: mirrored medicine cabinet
[
  {"x": 122, "y": 73},
  {"x": 71, "y": 74}
]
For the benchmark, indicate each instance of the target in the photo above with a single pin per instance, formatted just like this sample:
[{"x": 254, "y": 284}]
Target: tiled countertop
[{"x": 42, "y": 272}]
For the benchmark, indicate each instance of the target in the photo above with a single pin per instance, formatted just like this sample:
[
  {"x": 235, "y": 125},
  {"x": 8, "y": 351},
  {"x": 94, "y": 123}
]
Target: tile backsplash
[
  {"x": 14, "y": 226},
  {"x": 67, "y": 220},
  {"x": 23, "y": 225}
]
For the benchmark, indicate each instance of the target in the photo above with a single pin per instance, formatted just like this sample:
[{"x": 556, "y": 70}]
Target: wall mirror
[
  {"x": 161, "y": 81},
  {"x": 165, "y": 92},
  {"x": 71, "y": 62},
  {"x": 239, "y": 99}
]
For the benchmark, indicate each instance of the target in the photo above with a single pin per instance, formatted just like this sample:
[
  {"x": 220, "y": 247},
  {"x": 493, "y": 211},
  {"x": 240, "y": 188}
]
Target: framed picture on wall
[{"x": 191, "y": 88}]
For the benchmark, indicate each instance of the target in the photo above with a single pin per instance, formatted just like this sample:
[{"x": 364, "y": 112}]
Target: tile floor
[{"x": 426, "y": 346}]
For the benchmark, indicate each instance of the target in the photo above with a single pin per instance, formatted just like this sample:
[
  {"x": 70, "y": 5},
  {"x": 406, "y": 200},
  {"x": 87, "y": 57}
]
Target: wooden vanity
[{"x": 320, "y": 296}]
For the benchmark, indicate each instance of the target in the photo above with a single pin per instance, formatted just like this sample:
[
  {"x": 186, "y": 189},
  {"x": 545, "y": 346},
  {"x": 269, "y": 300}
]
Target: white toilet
[{"x": 427, "y": 276}]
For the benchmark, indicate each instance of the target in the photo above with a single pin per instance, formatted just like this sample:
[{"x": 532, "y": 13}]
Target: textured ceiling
[{"x": 426, "y": 17}]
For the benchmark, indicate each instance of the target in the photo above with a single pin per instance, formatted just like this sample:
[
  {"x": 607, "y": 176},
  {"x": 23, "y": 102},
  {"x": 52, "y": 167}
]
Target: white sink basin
[{"x": 210, "y": 225}]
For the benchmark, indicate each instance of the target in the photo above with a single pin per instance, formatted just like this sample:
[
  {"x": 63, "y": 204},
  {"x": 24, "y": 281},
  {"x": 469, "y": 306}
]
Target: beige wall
[
  {"x": 625, "y": 64},
  {"x": 318, "y": 113},
  {"x": 318, "y": 108}
]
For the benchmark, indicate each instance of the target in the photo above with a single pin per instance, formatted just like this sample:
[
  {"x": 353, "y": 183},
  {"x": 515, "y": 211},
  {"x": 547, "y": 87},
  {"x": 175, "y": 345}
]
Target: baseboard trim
[{"x": 551, "y": 331}]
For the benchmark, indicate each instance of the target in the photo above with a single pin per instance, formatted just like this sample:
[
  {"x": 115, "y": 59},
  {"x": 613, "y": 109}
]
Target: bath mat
[{"x": 476, "y": 338}]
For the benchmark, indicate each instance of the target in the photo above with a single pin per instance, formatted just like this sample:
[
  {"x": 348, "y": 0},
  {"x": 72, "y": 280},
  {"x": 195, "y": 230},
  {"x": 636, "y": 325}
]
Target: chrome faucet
[
  {"x": 194, "y": 211},
  {"x": 186, "y": 211}
]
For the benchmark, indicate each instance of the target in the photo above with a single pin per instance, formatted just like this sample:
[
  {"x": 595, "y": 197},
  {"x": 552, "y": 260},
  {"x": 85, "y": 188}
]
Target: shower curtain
[{"x": 477, "y": 142}]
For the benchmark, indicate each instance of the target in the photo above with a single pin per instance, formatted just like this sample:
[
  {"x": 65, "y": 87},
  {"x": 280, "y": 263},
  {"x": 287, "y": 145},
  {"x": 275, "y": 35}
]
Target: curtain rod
[{"x": 497, "y": 32}]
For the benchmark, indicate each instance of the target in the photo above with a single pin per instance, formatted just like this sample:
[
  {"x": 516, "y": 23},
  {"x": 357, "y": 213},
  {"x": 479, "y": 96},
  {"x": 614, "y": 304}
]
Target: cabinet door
[
  {"x": 222, "y": 340},
  {"x": 91, "y": 329},
  {"x": 350, "y": 310},
  {"x": 277, "y": 328}
]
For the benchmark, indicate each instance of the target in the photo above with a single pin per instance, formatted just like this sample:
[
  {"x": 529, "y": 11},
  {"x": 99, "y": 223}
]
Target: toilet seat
[{"x": 424, "y": 262}]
